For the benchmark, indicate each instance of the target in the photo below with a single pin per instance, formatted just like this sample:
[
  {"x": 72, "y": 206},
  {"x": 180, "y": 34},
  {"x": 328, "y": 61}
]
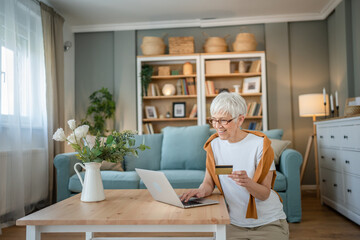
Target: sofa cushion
[
  {"x": 111, "y": 180},
  {"x": 280, "y": 182},
  {"x": 182, "y": 178},
  {"x": 182, "y": 147},
  {"x": 148, "y": 159},
  {"x": 278, "y": 146},
  {"x": 274, "y": 133}
]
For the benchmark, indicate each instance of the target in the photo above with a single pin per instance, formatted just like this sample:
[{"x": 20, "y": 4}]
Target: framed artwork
[
  {"x": 150, "y": 112},
  {"x": 179, "y": 109},
  {"x": 251, "y": 85}
]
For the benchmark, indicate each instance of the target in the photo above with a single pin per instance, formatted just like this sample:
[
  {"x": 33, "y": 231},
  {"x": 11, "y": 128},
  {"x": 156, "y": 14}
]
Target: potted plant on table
[{"x": 112, "y": 148}]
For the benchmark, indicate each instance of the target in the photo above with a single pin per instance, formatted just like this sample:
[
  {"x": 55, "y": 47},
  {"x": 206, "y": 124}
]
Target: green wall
[
  {"x": 355, "y": 13},
  {"x": 344, "y": 51},
  {"x": 94, "y": 67},
  {"x": 107, "y": 59}
]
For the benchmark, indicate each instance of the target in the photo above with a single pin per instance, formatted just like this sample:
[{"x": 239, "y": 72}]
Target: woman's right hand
[{"x": 198, "y": 193}]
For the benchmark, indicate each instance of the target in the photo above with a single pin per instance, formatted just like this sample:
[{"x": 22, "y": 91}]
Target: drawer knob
[
  {"x": 322, "y": 157},
  {"x": 346, "y": 137},
  {"x": 332, "y": 137},
  {"x": 323, "y": 180},
  {"x": 349, "y": 190},
  {"x": 321, "y": 136},
  {"x": 333, "y": 159},
  {"x": 347, "y": 161},
  {"x": 335, "y": 185}
]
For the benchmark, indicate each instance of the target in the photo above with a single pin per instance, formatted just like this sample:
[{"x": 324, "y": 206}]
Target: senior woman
[{"x": 256, "y": 211}]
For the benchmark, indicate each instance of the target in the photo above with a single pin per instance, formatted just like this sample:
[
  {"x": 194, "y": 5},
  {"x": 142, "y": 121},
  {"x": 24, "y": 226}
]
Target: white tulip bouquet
[{"x": 111, "y": 149}]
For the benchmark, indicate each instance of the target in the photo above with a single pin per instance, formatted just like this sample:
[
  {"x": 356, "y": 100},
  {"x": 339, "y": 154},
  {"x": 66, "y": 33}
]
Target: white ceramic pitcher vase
[{"x": 92, "y": 186}]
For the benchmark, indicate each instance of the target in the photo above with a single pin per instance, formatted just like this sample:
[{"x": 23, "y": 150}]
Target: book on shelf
[
  {"x": 252, "y": 126},
  {"x": 193, "y": 112},
  {"x": 145, "y": 129},
  {"x": 153, "y": 90},
  {"x": 210, "y": 87},
  {"x": 258, "y": 126},
  {"x": 190, "y": 81},
  {"x": 253, "y": 109},
  {"x": 182, "y": 87},
  {"x": 255, "y": 66},
  {"x": 148, "y": 128}
]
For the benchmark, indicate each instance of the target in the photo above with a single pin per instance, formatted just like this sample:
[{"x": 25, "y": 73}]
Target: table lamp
[{"x": 312, "y": 105}]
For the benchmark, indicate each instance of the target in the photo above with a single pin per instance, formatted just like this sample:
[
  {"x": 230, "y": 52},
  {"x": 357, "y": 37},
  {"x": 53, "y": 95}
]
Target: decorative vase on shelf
[
  {"x": 187, "y": 69},
  {"x": 92, "y": 186}
]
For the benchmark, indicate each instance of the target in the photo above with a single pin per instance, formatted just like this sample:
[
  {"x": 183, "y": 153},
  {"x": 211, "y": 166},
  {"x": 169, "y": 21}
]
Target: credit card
[{"x": 223, "y": 169}]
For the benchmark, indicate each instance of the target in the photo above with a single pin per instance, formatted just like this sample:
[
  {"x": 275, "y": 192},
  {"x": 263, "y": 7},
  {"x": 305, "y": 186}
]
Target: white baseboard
[{"x": 308, "y": 187}]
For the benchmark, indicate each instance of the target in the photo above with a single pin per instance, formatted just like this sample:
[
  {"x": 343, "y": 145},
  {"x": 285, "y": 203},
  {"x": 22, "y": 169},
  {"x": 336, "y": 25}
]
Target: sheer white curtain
[{"x": 23, "y": 121}]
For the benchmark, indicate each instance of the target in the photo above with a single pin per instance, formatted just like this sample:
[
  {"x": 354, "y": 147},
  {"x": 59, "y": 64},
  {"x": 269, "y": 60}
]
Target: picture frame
[
  {"x": 251, "y": 85},
  {"x": 150, "y": 112},
  {"x": 179, "y": 109}
]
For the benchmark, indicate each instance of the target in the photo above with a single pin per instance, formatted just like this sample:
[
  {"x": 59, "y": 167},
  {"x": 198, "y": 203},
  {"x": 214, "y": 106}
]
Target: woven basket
[
  {"x": 215, "y": 44},
  {"x": 351, "y": 110},
  {"x": 153, "y": 46},
  {"x": 181, "y": 45},
  {"x": 245, "y": 42}
]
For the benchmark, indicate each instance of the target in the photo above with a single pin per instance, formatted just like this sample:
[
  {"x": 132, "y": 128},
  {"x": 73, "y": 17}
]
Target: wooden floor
[{"x": 318, "y": 222}]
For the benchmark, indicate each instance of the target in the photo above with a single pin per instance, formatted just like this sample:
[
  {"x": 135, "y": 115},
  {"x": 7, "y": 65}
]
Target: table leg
[
  {"x": 33, "y": 233},
  {"x": 220, "y": 233},
  {"x": 89, "y": 235}
]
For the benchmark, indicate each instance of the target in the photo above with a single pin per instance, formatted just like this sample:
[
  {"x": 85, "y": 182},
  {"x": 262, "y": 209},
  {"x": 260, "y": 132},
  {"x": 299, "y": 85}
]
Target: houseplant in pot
[
  {"x": 102, "y": 107},
  {"x": 112, "y": 148}
]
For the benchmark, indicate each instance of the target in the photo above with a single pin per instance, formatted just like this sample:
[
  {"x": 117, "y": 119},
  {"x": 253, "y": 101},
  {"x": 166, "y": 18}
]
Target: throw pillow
[
  {"x": 111, "y": 166},
  {"x": 278, "y": 146},
  {"x": 182, "y": 147},
  {"x": 274, "y": 133}
]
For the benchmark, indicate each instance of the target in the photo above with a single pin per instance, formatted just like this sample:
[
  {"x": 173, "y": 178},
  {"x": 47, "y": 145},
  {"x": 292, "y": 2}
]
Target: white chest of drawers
[{"x": 339, "y": 161}]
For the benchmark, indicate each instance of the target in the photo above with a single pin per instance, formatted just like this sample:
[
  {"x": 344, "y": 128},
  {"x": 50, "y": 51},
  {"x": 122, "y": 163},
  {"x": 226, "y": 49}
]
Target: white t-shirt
[{"x": 245, "y": 155}]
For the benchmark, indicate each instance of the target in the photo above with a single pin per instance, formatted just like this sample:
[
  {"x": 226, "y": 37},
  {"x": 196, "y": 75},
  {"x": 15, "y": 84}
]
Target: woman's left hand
[{"x": 241, "y": 178}]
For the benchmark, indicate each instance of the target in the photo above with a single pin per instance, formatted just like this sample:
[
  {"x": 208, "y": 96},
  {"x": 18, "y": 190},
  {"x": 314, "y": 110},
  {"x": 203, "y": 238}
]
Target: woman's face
[{"x": 227, "y": 126}]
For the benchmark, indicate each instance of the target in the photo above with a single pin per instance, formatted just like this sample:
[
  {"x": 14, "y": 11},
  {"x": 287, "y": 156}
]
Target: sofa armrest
[
  {"x": 290, "y": 163},
  {"x": 64, "y": 164}
]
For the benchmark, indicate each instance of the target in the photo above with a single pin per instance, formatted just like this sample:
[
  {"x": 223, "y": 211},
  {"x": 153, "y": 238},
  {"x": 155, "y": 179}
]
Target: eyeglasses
[{"x": 222, "y": 122}]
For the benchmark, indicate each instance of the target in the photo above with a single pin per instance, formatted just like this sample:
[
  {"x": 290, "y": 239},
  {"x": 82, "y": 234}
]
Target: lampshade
[{"x": 313, "y": 105}]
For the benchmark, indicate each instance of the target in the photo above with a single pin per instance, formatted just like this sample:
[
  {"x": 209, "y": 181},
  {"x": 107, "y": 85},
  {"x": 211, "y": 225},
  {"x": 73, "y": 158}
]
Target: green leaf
[{"x": 109, "y": 140}]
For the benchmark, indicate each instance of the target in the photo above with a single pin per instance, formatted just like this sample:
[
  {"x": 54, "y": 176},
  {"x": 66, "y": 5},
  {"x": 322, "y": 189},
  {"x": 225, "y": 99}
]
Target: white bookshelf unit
[{"x": 202, "y": 98}]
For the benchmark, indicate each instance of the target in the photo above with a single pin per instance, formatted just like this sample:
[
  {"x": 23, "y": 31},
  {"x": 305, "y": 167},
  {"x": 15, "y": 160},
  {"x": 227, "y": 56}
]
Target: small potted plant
[
  {"x": 146, "y": 73},
  {"x": 112, "y": 148}
]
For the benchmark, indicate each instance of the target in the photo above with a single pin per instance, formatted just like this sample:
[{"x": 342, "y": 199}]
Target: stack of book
[
  {"x": 186, "y": 86},
  {"x": 148, "y": 128},
  {"x": 257, "y": 126},
  {"x": 153, "y": 90},
  {"x": 253, "y": 109},
  {"x": 209, "y": 87}
]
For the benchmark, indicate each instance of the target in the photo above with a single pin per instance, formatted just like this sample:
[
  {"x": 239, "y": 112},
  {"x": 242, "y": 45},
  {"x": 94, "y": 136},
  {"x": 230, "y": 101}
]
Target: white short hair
[{"x": 231, "y": 103}]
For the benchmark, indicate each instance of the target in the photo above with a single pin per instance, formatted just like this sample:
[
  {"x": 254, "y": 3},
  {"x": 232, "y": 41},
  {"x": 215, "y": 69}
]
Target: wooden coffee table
[{"x": 126, "y": 211}]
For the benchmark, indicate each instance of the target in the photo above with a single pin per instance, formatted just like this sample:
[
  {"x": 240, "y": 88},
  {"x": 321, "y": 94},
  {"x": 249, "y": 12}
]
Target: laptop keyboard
[{"x": 191, "y": 203}]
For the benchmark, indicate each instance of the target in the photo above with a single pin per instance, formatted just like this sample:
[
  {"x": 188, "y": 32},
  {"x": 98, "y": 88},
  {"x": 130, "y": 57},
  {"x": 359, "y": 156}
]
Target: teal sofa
[{"x": 178, "y": 152}]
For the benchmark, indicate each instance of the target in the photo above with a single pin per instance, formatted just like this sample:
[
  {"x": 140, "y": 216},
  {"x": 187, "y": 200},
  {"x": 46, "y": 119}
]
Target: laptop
[{"x": 162, "y": 191}]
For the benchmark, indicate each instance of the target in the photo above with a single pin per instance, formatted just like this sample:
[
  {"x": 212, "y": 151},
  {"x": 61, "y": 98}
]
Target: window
[{"x": 7, "y": 81}]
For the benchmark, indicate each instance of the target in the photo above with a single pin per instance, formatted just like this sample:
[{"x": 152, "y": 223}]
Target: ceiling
[{"x": 103, "y": 15}]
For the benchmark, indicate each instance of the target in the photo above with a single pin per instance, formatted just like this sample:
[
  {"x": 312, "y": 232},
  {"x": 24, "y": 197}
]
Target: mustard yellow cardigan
[{"x": 260, "y": 173}]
